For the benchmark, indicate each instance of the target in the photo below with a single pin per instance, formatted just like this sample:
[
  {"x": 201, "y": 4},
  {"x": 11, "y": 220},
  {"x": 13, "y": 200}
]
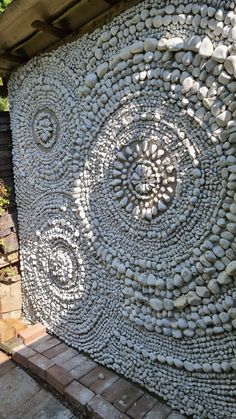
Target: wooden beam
[
  {"x": 4, "y": 87},
  {"x": 112, "y": 2},
  {"x": 50, "y": 29},
  {"x": 96, "y": 22},
  {"x": 12, "y": 58}
]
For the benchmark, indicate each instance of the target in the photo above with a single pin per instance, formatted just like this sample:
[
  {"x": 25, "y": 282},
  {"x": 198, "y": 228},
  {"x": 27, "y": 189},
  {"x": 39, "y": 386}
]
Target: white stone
[
  {"x": 194, "y": 43},
  {"x": 91, "y": 80},
  {"x": 231, "y": 268},
  {"x": 230, "y": 64},
  {"x": 137, "y": 47},
  {"x": 150, "y": 44},
  {"x": 206, "y": 48},
  {"x": 232, "y": 34},
  {"x": 157, "y": 21},
  {"x": 214, "y": 287},
  {"x": 220, "y": 53},
  {"x": 175, "y": 44},
  {"x": 180, "y": 302},
  {"x": 187, "y": 84},
  {"x": 125, "y": 53},
  {"x": 102, "y": 69},
  {"x": 193, "y": 299},
  {"x": 223, "y": 278},
  {"x": 223, "y": 118},
  {"x": 156, "y": 304}
]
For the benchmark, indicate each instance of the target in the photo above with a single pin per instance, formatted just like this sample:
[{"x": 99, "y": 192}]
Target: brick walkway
[{"x": 93, "y": 390}]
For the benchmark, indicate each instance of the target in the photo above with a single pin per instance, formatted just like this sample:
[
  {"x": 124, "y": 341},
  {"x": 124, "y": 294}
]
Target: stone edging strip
[{"x": 95, "y": 391}]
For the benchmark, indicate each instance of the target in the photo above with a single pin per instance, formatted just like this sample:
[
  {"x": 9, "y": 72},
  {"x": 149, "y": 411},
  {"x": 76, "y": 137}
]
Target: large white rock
[
  {"x": 230, "y": 64},
  {"x": 194, "y": 43},
  {"x": 220, "y": 53},
  {"x": 231, "y": 268},
  {"x": 223, "y": 118},
  {"x": 175, "y": 44},
  {"x": 206, "y": 48}
]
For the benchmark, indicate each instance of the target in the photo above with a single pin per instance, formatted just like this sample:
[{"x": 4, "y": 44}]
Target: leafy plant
[
  {"x": 7, "y": 273},
  {"x": 4, "y": 105},
  {"x": 4, "y": 197},
  {"x": 4, "y": 4}
]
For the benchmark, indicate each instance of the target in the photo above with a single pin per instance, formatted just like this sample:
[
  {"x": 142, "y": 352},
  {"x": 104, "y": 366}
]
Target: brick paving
[{"x": 92, "y": 390}]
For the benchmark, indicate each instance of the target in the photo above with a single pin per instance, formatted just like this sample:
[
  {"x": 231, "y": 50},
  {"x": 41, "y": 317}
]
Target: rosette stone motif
[
  {"x": 144, "y": 179},
  {"x": 45, "y": 128}
]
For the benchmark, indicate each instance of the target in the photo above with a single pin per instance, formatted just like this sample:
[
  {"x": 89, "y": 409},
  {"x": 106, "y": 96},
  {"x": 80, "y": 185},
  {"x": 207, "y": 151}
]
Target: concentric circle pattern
[
  {"x": 45, "y": 128},
  {"x": 56, "y": 272},
  {"x": 125, "y": 170}
]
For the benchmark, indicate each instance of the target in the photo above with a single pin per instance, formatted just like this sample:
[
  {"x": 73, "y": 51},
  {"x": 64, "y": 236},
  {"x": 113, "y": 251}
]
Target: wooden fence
[{"x": 10, "y": 287}]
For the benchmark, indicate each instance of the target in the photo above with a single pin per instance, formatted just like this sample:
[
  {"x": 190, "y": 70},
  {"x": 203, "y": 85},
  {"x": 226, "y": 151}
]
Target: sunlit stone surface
[{"x": 125, "y": 171}]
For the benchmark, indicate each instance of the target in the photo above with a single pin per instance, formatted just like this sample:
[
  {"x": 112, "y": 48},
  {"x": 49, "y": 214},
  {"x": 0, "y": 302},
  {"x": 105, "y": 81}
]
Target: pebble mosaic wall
[{"x": 125, "y": 172}]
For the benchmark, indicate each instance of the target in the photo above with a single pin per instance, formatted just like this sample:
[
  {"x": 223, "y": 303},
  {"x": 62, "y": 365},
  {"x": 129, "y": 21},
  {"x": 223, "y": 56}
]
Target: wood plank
[
  {"x": 6, "y": 174},
  {"x": 10, "y": 297},
  {"x": 4, "y": 167},
  {"x": 10, "y": 243},
  {"x": 5, "y": 160},
  {"x": 5, "y": 136},
  {"x": 8, "y": 220},
  {"x": 4, "y": 127},
  {"x": 4, "y": 232},
  {"x": 4, "y": 117},
  {"x": 7, "y": 260},
  {"x": 6, "y": 155}
]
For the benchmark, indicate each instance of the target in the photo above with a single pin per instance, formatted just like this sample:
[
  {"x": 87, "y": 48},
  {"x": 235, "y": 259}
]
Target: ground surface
[
  {"x": 23, "y": 397},
  {"x": 45, "y": 374}
]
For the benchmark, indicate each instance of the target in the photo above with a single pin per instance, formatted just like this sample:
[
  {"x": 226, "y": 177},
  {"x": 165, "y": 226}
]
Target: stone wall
[
  {"x": 124, "y": 158},
  {"x": 10, "y": 285}
]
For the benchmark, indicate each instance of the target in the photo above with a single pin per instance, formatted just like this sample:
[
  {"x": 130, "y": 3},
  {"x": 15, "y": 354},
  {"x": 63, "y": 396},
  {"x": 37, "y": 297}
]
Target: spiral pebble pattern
[{"x": 125, "y": 172}]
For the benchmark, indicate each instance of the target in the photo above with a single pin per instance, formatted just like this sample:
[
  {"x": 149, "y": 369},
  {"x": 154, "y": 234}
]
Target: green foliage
[
  {"x": 4, "y": 105},
  {"x": 4, "y": 4},
  {"x": 6, "y": 274},
  {"x": 4, "y": 202},
  {"x": 4, "y": 195}
]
